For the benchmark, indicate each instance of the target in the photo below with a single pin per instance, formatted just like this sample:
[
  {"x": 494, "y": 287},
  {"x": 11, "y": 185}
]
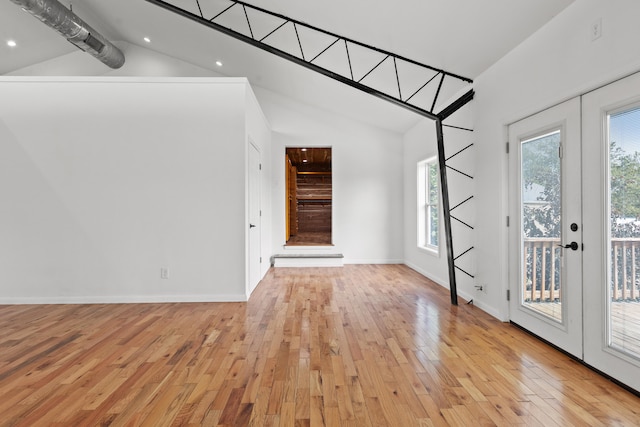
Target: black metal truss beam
[
  {"x": 435, "y": 75},
  {"x": 456, "y": 105},
  {"x": 303, "y": 61}
]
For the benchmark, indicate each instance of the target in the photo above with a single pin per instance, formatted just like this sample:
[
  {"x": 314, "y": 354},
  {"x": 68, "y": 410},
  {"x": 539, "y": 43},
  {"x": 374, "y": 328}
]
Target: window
[{"x": 428, "y": 205}]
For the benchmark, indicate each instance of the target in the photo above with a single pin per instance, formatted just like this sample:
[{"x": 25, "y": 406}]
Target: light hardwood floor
[
  {"x": 353, "y": 346},
  {"x": 625, "y": 322}
]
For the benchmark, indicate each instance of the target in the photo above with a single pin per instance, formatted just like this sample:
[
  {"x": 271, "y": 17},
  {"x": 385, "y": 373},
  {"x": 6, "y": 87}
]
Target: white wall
[
  {"x": 105, "y": 182},
  {"x": 368, "y": 178},
  {"x": 367, "y": 171},
  {"x": 558, "y": 62}
]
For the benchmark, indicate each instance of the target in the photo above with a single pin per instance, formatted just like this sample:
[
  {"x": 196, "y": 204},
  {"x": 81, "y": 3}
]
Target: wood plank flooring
[
  {"x": 361, "y": 345},
  {"x": 308, "y": 238},
  {"x": 625, "y": 322}
]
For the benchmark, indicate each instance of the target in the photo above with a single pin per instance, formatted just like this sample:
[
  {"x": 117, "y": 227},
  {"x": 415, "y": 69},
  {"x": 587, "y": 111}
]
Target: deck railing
[
  {"x": 542, "y": 269},
  {"x": 625, "y": 280},
  {"x": 542, "y": 258}
]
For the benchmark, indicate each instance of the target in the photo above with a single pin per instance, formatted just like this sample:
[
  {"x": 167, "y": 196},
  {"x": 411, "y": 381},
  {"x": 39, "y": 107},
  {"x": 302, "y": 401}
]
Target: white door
[
  {"x": 611, "y": 180},
  {"x": 254, "y": 218},
  {"x": 545, "y": 230}
]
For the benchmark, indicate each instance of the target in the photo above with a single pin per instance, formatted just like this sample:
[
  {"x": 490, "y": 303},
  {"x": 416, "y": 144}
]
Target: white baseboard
[
  {"x": 445, "y": 284},
  {"x": 482, "y": 306},
  {"x": 373, "y": 261},
  {"x": 438, "y": 280},
  {"x": 122, "y": 299}
]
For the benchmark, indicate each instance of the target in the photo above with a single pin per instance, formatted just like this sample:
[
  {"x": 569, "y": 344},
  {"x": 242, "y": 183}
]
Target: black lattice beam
[{"x": 410, "y": 84}]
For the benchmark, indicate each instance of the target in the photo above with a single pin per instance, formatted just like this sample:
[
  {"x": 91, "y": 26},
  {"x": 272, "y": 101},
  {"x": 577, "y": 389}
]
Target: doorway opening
[{"x": 308, "y": 186}]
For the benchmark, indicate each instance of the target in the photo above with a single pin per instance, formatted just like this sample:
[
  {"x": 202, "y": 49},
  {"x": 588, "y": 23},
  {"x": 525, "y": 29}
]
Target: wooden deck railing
[
  {"x": 625, "y": 257},
  {"x": 541, "y": 279},
  {"x": 542, "y": 269}
]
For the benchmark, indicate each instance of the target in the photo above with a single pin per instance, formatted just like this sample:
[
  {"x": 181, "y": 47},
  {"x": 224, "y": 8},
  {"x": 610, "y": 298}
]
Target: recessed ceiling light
[
  {"x": 147, "y": 39},
  {"x": 304, "y": 161},
  {"x": 303, "y": 149},
  {"x": 219, "y": 63},
  {"x": 11, "y": 43}
]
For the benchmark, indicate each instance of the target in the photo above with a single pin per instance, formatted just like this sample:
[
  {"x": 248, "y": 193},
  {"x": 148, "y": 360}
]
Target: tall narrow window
[{"x": 428, "y": 205}]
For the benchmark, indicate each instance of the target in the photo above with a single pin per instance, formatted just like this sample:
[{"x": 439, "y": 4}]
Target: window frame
[{"x": 426, "y": 207}]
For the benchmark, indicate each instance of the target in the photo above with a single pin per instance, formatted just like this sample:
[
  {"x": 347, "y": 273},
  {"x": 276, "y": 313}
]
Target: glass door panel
[
  {"x": 624, "y": 231},
  {"x": 541, "y": 224}
]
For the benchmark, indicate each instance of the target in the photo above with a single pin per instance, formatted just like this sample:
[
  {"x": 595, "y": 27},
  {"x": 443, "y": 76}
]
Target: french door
[
  {"x": 611, "y": 180},
  {"x": 545, "y": 237},
  {"x": 574, "y": 237}
]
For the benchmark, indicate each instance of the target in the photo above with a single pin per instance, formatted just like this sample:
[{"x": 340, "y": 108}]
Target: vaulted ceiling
[{"x": 461, "y": 36}]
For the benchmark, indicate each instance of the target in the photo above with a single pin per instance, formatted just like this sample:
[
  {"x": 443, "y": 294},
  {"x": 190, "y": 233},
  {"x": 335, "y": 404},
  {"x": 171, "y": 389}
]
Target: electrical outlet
[
  {"x": 164, "y": 273},
  {"x": 596, "y": 29},
  {"x": 481, "y": 288}
]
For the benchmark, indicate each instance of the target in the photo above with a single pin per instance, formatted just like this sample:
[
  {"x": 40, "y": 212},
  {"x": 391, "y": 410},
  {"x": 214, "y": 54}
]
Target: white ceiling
[{"x": 461, "y": 36}]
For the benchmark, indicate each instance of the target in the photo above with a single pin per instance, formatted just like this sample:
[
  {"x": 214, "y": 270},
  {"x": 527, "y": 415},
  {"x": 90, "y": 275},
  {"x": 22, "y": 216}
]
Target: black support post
[{"x": 446, "y": 211}]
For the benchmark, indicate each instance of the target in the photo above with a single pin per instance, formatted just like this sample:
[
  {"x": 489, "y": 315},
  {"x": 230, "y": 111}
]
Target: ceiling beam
[{"x": 435, "y": 75}]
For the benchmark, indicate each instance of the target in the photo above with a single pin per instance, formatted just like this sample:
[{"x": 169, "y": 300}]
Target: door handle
[
  {"x": 252, "y": 226},
  {"x": 573, "y": 246}
]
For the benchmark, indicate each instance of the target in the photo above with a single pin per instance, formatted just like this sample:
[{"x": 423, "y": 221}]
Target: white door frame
[{"x": 254, "y": 226}]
